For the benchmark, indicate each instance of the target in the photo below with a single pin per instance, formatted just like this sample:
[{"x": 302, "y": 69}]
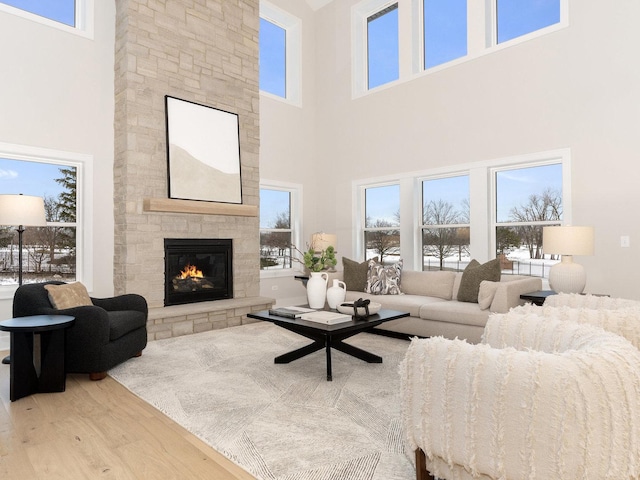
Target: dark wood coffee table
[{"x": 329, "y": 336}]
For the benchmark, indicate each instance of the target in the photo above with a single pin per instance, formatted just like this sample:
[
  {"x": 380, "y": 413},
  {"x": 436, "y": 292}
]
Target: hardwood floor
[{"x": 99, "y": 430}]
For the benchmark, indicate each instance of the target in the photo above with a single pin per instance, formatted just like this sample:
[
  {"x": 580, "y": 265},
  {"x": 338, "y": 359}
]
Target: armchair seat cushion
[{"x": 124, "y": 321}]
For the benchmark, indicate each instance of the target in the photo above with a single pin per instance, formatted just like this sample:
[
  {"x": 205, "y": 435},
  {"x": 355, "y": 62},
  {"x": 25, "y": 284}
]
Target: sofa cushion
[
  {"x": 431, "y": 284},
  {"x": 68, "y": 295},
  {"x": 355, "y": 274},
  {"x": 473, "y": 275},
  {"x": 403, "y": 303},
  {"x": 486, "y": 293},
  {"x": 124, "y": 321},
  {"x": 464, "y": 313},
  {"x": 384, "y": 279}
]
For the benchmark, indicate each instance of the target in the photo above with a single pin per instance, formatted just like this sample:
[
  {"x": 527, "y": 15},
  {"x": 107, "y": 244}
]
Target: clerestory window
[{"x": 74, "y": 16}]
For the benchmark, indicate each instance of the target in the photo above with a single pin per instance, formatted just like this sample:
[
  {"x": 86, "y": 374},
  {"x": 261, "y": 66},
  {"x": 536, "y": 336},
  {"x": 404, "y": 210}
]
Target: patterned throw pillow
[{"x": 384, "y": 280}]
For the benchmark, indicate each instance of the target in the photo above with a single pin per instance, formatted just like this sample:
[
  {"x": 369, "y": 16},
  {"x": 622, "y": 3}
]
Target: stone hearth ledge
[{"x": 177, "y": 320}]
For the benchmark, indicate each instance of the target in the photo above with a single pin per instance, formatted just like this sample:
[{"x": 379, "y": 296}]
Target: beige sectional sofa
[{"x": 430, "y": 298}]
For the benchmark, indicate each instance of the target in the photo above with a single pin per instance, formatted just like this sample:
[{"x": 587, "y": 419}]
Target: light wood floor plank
[{"x": 99, "y": 430}]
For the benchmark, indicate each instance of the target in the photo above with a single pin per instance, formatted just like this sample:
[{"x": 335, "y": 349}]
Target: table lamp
[
  {"x": 320, "y": 241},
  {"x": 567, "y": 276},
  {"x": 21, "y": 210}
]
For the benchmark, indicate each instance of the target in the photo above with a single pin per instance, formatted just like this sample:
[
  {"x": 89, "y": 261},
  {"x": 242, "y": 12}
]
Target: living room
[{"x": 571, "y": 94}]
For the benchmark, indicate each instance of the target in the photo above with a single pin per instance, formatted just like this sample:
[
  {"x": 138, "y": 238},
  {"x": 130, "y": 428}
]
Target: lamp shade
[
  {"x": 18, "y": 210},
  {"x": 567, "y": 240},
  {"x": 320, "y": 241}
]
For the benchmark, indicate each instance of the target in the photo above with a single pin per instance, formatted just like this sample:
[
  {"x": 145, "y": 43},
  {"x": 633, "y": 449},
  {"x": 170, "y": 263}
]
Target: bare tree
[
  {"x": 539, "y": 207},
  {"x": 442, "y": 242},
  {"x": 382, "y": 241}
]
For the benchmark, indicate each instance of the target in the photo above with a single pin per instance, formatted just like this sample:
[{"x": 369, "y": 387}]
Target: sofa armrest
[{"x": 508, "y": 293}]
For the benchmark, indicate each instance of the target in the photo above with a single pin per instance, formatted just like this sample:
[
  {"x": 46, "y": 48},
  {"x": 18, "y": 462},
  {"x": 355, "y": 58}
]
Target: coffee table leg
[
  {"x": 357, "y": 352},
  {"x": 299, "y": 353},
  {"x": 328, "y": 347}
]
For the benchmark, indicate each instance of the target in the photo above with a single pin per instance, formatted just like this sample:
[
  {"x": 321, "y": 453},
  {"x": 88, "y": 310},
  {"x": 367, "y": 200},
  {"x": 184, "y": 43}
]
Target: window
[
  {"x": 273, "y": 63},
  {"x": 445, "y": 31},
  {"x": 280, "y": 54},
  {"x": 527, "y": 199},
  {"x": 382, "y": 47},
  {"x": 514, "y": 19},
  {"x": 48, "y": 252},
  {"x": 74, "y": 16},
  {"x": 279, "y": 226},
  {"x": 382, "y": 222},
  {"x": 445, "y": 223}
]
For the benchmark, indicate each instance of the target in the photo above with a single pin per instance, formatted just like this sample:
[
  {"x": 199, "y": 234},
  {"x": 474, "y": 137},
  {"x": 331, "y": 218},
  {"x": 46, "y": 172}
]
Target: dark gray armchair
[{"x": 104, "y": 334}]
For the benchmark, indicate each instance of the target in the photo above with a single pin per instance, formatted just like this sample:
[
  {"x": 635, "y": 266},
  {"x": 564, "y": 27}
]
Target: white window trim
[
  {"x": 84, "y": 18},
  {"x": 84, "y": 203},
  {"x": 295, "y": 190},
  {"x": 293, "y": 56},
  {"x": 481, "y": 200}
]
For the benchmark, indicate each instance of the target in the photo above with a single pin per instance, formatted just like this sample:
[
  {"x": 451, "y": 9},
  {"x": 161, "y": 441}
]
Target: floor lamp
[{"x": 21, "y": 210}]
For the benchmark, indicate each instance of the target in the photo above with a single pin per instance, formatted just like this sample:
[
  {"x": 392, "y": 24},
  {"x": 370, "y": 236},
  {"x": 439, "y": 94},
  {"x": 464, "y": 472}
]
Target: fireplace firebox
[{"x": 197, "y": 270}]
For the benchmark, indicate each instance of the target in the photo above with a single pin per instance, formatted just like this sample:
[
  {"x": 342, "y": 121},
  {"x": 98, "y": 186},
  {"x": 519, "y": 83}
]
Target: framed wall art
[{"x": 203, "y": 152}]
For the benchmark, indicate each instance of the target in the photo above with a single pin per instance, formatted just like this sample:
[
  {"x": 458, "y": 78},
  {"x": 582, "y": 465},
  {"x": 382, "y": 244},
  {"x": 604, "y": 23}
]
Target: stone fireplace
[{"x": 205, "y": 52}]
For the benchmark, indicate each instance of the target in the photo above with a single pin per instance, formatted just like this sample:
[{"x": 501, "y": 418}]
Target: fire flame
[{"x": 190, "y": 271}]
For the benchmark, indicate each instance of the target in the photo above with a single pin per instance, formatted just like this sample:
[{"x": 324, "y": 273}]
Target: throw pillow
[
  {"x": 473, "y": 275},
  {"x": 68, "y": 295},
  {"x": 486, "y": 293},
  {"x": 384, "y": 280},
  {"x": 355, "y": 274}
]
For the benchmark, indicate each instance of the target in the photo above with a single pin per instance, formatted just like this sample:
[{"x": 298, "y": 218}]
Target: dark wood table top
[{"x": 37, "y": 323}]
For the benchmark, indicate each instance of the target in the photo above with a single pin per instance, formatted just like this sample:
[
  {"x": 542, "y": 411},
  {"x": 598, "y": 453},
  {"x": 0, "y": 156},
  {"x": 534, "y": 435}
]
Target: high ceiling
[{"x": 316, "y": 4}]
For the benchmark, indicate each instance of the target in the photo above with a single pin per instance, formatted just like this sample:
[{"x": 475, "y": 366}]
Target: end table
[{"x": 25, "y": 376}]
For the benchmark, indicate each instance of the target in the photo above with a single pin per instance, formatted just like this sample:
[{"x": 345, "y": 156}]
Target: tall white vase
[
  {"x": 336, "y": 294},
  {"x": 317, "y": 289}
]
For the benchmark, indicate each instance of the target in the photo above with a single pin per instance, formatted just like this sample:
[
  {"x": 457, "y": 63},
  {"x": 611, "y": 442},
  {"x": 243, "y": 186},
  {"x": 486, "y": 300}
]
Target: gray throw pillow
[
  {"x": 355, "y": 274},
  {"x": 473, "y": 275}
]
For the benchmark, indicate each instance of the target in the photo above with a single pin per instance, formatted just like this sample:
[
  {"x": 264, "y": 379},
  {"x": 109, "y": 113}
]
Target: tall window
[
  {"x": 277, "y": 232},
  {"x": 382, "y": 47},
  {"x": 62, "y": 11},
  {"x": 48, "y": 252},
  {"x": 273, "y": 61},
  {"x": 445, "y": 31},
  {"x": 514, "y": 19},
  {"x": 280, "y": 52},
  {"x": 382, "y": 222},
  {"x": 527, "y": 199},
  {"x": 445, "y": 223}
]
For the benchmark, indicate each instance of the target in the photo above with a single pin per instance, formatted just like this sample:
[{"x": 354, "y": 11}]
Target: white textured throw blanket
[{"x": 280, "y": 422}]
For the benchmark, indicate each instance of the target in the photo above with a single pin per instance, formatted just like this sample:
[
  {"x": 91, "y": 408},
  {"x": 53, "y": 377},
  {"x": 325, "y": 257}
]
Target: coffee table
[{"x": 329, "y": 336}]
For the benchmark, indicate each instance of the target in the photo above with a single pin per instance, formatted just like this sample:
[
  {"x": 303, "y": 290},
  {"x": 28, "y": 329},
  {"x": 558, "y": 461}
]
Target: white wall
[
  {"x": 56, "y": 92},
  {"x": 576, "y": 88}
]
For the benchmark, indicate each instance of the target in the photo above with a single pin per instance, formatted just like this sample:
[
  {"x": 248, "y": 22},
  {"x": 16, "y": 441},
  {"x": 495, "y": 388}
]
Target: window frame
[
  {"x": 293, "y": 55},
  {"x": 295, "y": 198},
  {"x": 84, "y": 202},
  {"x": 84, "y": 18},
  {"x": 363, "y": 217}
]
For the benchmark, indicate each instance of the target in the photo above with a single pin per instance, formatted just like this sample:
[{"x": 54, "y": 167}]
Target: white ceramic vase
[
  {"x": 336, "y": 294},
  {"x": 317, "y": 289}
]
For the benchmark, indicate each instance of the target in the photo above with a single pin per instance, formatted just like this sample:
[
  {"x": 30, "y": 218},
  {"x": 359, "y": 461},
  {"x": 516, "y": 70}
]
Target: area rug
[{"x": 280, "y": 422}]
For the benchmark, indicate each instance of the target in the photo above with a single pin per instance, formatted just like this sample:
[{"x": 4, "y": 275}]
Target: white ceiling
[{"x": 317, "y": 4}]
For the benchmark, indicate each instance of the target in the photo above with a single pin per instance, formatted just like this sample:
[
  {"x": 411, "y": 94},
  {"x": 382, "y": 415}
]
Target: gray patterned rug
[{"x": 280, "y": 422}]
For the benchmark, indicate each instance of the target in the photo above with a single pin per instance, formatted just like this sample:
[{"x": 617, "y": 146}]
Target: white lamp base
[{"x": 567, "y": 277}]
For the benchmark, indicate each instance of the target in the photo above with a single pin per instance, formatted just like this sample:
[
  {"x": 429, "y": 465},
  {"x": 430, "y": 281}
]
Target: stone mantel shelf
[{"x": 173, "y": 205}]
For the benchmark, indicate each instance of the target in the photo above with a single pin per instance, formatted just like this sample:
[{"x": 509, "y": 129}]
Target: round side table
[{"x": 26, "y": 377}]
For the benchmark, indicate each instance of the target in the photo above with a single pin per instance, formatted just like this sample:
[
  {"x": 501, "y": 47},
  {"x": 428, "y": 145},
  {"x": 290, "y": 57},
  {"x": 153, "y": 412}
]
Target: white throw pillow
[{"x": 486, "y": 293}]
